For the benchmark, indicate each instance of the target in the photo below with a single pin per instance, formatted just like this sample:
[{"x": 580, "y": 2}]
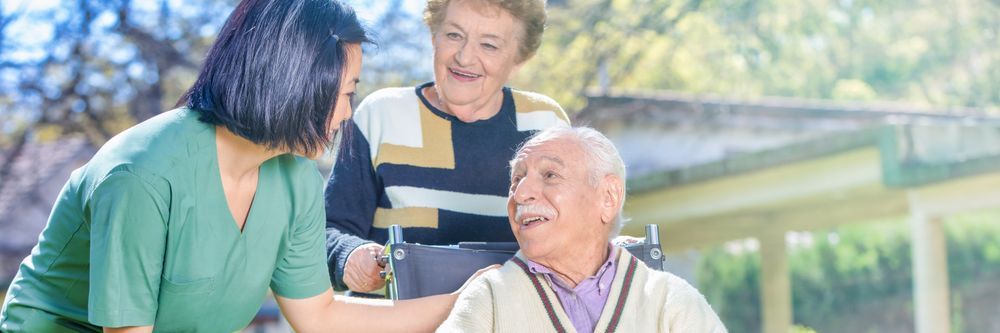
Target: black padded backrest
[{"x": 423, "y": 270}]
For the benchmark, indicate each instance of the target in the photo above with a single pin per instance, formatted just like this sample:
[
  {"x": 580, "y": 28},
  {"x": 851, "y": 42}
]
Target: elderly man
[{"x": 565, "y": 204}]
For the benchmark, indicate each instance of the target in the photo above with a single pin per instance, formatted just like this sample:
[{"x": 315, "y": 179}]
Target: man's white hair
[{"x": 602, "y": 159}]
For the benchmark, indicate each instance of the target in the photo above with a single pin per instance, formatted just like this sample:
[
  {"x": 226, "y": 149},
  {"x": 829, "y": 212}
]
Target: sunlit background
[{"x": 813, "y": 165}]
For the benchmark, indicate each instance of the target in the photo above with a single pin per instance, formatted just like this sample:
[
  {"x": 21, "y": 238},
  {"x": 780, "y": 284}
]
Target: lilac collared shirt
[{"x": 584, "y": 303}]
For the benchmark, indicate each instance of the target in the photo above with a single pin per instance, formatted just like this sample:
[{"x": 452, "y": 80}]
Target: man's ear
[{"x": 612, "y": 194}]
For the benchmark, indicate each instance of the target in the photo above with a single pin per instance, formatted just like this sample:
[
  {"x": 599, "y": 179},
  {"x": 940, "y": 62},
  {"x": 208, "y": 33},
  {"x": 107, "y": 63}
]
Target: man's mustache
[{"x": 533, "y": 209}]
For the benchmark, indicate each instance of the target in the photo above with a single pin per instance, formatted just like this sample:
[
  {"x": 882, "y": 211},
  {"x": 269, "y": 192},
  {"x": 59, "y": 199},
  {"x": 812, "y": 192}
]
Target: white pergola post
[
  {"x": 776, "y": 285},
  {"x": 931, "y": 300},
  {"x": 928, "y": 206}
]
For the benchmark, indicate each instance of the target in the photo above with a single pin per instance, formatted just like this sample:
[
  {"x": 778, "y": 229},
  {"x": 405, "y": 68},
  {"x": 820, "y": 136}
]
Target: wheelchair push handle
[
  {"x": 652, "y": 234},
  {"x": 395, "y": 234}
]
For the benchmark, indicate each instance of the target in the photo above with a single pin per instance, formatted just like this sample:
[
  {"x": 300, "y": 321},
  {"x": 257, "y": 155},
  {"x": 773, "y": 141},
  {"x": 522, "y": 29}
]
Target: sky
[
  {"x": 29, "y": 32},
  {"x": 367, "y": 9}
]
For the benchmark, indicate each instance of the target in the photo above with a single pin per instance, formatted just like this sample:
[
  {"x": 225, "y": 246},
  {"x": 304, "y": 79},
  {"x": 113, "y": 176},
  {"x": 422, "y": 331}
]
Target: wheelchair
[{"x": 415, "y": 270}]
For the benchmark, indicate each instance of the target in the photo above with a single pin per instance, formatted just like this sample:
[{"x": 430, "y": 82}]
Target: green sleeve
[
  {"x": 127, "y": 240},
  {"x": 301, "y": 270}
]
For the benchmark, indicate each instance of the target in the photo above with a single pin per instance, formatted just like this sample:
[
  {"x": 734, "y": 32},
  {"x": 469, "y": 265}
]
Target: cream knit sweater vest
[{"x": 510, "y": 299}]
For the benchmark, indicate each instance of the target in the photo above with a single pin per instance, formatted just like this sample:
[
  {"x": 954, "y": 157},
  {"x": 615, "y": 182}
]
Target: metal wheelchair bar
[
  {"x": 395, "y": 238},
  {"x": 653, "y": 234},
  {"x": 395, "y": 234},
  {"x": 653, "y": 238}
]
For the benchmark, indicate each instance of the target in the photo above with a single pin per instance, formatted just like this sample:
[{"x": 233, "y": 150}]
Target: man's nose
[{"x": 526, "y": 191}]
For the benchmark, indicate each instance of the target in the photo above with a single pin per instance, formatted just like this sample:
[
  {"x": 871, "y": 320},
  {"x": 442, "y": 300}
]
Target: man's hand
[{"x": 361, "y": 273}]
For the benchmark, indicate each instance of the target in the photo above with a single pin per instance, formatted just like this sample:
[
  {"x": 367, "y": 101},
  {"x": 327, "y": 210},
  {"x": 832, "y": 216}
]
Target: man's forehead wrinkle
[
  {"x": 554, "y": 159},
  {"x": 523, "y": 160}
]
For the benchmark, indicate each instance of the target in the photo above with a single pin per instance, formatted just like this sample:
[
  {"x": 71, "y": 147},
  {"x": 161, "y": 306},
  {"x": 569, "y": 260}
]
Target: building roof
[
  {"x": 677, "y": 137},
  {"x": 32, "y": 182},
  {"x": 912, "y": 155},
  {"x": 644, "y": 103}
]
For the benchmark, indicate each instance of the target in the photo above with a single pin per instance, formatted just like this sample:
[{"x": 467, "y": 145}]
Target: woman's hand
[{"x": 361, "y": 272}]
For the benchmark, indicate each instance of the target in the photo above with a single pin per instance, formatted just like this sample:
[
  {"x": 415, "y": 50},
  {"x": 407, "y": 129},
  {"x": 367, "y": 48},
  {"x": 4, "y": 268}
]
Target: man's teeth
[{"x": 533, "y": 219}]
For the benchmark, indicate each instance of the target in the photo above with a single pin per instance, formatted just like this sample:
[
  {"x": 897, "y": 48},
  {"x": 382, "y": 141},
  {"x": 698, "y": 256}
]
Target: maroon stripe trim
[
  {"x": 541, "y": 294},
  {"x": 626, "y": 286}
]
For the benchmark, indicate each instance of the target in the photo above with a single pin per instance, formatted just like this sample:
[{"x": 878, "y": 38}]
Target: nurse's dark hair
[{"x": 274, "y": 72}]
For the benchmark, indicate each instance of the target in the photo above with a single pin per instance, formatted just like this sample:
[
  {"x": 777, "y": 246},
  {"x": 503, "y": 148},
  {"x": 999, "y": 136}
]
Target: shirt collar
[{"x": 609, "y": 264}]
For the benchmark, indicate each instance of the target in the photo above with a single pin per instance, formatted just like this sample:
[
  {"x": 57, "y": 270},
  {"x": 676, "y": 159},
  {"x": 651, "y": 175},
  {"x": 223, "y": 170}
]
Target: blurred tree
[
  {"x": 96, "y": 67},
  {"x": 930, "y": 53},
  {"x": 104, "y": 64},
  {"x": 402, "y": 54},
  {"x": 601, "y": 42},
  {"x": 93, "y": 68}
]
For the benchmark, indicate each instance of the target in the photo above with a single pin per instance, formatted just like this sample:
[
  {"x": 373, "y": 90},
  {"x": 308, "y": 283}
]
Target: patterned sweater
[
  {"x": 511, "y": 299},
  {"x": 443, "y": 180}
]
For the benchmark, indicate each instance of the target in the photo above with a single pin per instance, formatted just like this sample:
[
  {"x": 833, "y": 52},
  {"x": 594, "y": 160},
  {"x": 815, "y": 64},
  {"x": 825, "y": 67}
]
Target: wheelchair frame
[{"x": 455, "y": 263}]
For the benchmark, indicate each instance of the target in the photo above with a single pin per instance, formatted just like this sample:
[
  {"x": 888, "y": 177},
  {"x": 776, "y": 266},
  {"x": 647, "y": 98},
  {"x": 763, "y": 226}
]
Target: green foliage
[
  {"x": 934, "y": 53},
  {"x": 801, "y": 329},
  {"x": 731, "y": 283},
  {"x": 848, "y": 269}
]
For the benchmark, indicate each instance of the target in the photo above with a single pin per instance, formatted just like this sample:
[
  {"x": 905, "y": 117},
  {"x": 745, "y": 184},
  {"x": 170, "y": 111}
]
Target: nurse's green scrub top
[{"x": 142, "y": 235}]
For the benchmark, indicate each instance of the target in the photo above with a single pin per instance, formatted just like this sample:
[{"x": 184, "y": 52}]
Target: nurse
[{"x": 183, "y": 222}]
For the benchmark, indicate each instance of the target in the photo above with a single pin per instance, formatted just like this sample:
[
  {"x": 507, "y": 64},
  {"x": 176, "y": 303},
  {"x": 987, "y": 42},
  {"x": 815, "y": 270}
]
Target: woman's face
[
  {"x": 348, "y": 86},
  {"x": 475, "y": 53}
]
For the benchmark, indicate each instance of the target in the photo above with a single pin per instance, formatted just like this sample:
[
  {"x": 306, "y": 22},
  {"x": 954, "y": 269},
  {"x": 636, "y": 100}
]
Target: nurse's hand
[
  {"x": 626, "y": 240},
  {"x": 473, "y": 278},
  {"x": 361, "y": 273}
]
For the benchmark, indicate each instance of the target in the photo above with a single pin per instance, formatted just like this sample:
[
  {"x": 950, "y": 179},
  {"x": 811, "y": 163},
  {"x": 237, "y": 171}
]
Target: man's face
[{"x": 552, "y": 206}]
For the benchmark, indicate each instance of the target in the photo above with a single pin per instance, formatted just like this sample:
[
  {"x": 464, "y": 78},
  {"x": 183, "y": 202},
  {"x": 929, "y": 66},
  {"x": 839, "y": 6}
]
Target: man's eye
[{"x": 490, "y": 47}]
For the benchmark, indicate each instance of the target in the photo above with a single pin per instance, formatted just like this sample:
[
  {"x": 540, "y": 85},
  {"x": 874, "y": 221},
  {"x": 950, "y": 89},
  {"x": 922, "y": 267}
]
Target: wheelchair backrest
[{"x": 423, "y": 270}]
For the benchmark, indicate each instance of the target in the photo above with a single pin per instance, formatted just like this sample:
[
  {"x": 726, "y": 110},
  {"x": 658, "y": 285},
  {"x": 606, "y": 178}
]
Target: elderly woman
[
  {"x": 566, "y": 195},
  {"x": 433, "y": 158},
  {"x": 183, "y": 222}
]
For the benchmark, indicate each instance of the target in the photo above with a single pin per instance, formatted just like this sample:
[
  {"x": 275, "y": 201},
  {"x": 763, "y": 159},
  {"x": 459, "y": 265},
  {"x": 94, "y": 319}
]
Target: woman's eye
[
  {"x": 550, "y": 175},
  {"x": 489, "y": 46},
  {"x": 453, "y": 36}
]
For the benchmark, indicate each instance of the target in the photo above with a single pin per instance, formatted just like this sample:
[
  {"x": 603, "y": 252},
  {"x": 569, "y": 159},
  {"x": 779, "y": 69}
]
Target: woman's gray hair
[{"x": 602, "y": 157}]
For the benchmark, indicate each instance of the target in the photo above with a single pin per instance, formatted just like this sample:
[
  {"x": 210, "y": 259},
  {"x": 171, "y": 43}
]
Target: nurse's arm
[
  {"x": 130, "y": 329},
  {"x": 326, "y": 313}
]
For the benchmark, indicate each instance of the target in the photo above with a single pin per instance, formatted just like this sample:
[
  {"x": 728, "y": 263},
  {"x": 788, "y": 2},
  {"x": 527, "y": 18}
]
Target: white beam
[
  {"x": 960, "y": 195},
  {"x": 932, "y": 310},
  {"x": 841, "y": 173},
  {"x": 802, "y": 215},
  {"x": 776, "y": 285}
]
